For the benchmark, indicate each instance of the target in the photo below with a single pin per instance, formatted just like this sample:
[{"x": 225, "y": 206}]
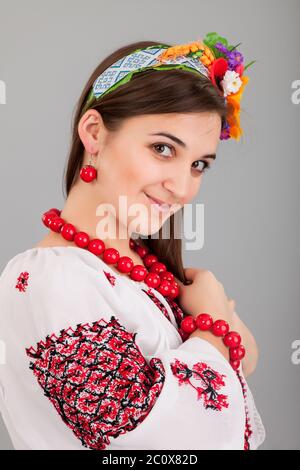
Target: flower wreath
[{"x": 226, "y": 71}]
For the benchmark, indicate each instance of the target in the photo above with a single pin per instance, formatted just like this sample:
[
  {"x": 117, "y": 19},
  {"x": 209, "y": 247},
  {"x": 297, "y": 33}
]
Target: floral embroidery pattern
[
  {"x": 179, "y": 315},
  {"x": 22, "y": 281},
  {"x": 157, "y": 302},
  {"x": 97, "y": 379},
  {"x": 248, "y": 430},
  {"x": 177, "y": 311},
  {"x": 211, "y": 381},
  {"x": 110, "y": 277}
]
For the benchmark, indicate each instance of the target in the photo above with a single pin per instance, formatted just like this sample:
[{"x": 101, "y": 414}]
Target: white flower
[{"x": 231, "y": 82}]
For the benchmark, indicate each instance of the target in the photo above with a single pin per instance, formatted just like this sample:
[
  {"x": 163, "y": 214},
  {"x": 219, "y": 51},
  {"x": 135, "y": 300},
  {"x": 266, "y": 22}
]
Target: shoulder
[
  {"x": 42, "y": 265},
  {"x": 54, "y": 281}
]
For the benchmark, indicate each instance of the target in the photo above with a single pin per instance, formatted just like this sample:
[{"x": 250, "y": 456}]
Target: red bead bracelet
[{"x": 231, "y": 339}]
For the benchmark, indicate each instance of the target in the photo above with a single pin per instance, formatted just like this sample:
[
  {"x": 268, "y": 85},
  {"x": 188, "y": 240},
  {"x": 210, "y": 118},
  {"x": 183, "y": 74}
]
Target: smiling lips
[
  {"x": 159, "y": 204},
  {"x": 158, "y": 201}
]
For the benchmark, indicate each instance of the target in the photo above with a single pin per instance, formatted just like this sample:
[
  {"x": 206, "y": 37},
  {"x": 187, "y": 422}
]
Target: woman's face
[{"x": 134, "y": 164}]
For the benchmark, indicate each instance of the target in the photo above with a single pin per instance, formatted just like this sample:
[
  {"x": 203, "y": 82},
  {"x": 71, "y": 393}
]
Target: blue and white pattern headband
[
  {"x": 141, "y": 59},
  {"x": 213, "y": 57}
]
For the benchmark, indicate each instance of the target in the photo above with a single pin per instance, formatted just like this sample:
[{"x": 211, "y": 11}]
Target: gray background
[{"x": 47, "y": 52}]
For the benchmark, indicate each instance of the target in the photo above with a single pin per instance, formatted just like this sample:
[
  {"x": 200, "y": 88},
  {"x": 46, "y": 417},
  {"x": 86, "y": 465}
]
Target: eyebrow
[{"x": 180, "y": 142}]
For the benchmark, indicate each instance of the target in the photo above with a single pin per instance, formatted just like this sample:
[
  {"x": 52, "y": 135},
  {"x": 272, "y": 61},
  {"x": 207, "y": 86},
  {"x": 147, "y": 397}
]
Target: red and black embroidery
[
  {"x": 158, "y": 303},
  {"x": 179, "y": 315},
  {"x": 110, "y": 277},
  {"x": 248, "y": 430},
  {"x": 177, "y": 311},
  {"x": 97, "y": 379},
  {"x": 211, "y": 381},
  {"x": 149, "y": 291},
  {"x": 22, "y": 281}
]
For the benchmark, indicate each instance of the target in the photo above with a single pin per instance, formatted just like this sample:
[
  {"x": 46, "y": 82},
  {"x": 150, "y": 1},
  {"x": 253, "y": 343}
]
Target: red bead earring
[{"x": 88, "y": 172}]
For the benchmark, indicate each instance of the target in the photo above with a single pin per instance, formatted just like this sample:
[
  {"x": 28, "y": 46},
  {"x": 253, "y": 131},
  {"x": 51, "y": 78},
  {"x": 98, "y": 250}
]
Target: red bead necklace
[
  {"x": 156, "y": 276},
  {"x": 153, "y": 273}
]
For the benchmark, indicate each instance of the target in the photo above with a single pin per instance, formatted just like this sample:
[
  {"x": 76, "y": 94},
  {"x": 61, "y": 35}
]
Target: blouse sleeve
[{"x": 94, "y": 365}]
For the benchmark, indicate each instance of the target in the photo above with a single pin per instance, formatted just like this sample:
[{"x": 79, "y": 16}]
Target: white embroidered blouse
[{"x": 94, "y": 360}]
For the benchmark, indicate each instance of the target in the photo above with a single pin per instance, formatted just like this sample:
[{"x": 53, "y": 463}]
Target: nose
[{"x": 179, "y": 184}]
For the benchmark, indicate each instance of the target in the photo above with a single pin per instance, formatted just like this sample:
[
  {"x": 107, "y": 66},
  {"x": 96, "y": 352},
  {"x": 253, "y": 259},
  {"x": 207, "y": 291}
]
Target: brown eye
[
  {"x": 160, "y": 146},
  {"x": 201, "y": 168}
]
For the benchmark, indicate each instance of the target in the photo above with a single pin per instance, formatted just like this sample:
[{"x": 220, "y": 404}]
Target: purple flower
[
  {"x": 234, "y": 59},
  {"x": 225, "y": 133},
  {"x": 221, "y": 48}
]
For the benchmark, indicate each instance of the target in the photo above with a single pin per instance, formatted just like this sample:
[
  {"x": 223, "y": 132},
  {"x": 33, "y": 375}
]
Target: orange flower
[
  {"x": 233, "y": 117},
  {"x": 235, "y": 98},
  {"x": 206, "y": 58}
]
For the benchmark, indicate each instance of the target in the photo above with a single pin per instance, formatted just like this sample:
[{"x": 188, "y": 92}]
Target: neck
[{"x": 80, "y": 210}]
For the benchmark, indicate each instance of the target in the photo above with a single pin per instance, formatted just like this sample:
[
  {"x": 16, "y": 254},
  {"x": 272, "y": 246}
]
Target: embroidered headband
[{"x": 214, "y": 58}]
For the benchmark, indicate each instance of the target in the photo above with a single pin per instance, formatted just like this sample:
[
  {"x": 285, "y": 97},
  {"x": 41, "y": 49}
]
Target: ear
[{"x": 92, "y": 131}]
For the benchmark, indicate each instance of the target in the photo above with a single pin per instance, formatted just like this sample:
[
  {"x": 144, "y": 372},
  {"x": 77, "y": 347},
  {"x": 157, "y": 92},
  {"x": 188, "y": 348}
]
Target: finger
[
  {"x": 190, "y": 272},
  {"x": 231, "y": 303},
  {"x": 181, "y": 284}
]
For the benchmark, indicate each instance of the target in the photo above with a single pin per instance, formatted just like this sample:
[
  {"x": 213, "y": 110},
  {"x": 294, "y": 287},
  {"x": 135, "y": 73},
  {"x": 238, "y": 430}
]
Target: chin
[{"x": 147, "y": 228}]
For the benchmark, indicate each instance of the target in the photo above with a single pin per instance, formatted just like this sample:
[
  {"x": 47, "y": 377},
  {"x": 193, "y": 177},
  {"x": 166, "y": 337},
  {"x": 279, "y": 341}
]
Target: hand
[
  {"x": 205, "y": 294},
  {"x": 231, "y": 303}
]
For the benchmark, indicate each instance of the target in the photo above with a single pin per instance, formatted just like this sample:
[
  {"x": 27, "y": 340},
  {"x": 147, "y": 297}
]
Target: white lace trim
[{"x": 258, "y": 430}]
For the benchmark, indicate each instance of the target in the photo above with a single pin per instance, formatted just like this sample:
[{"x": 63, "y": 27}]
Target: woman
[{"x": 96, "y": 321}]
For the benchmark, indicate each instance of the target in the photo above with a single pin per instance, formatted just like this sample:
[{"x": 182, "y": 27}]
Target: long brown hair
[{"x": 148, "y": 92}]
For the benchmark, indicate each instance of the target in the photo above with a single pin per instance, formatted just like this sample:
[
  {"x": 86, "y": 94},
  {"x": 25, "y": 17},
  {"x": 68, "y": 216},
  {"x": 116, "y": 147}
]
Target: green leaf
[
  {"x": 249, "y": 64},
  {"x": 216, "y": 52},
  {"x": 211, "y": 39},
  {"x": 231, "y": 48},
  {"x": 211, "y": 36},
  {"x": 223, "y": 41}
]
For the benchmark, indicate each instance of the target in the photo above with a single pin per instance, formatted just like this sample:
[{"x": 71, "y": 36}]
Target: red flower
[
  {"x": 239, "y": 69},
  {"x": 217, "y": 70},
  {"x": 210, "y": 380},
  {"x": 22, "y": 281}
]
